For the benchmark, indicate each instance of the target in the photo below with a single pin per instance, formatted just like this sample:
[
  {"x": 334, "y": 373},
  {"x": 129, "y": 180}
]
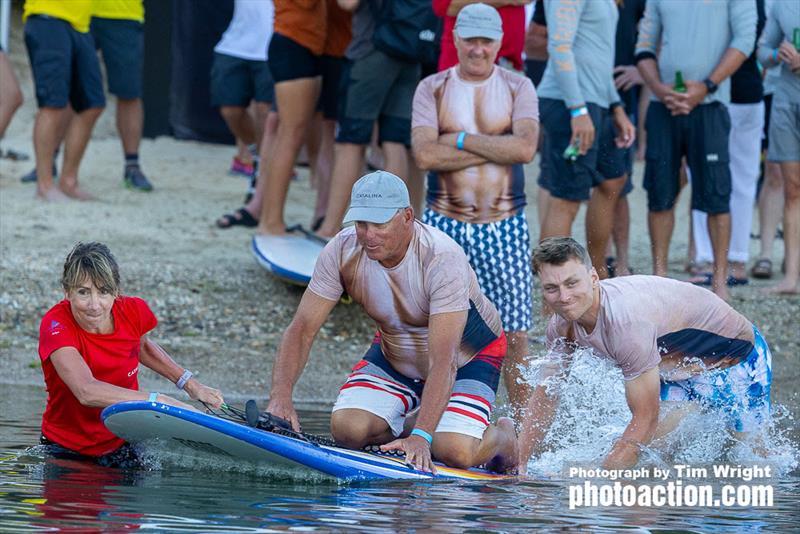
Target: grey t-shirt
[
  {"x": 363, "y": 26},
  {"x": 650, "y": 321},
  {"x": 694, "y": 35},
  {"x": 782, "y": 19},
  {"x": 580, "y": 41}
]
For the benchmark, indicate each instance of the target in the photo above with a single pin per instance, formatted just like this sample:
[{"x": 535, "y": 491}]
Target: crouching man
[
  {"x": 427, "y": 384},
  {"x": 672, "y": 341}
]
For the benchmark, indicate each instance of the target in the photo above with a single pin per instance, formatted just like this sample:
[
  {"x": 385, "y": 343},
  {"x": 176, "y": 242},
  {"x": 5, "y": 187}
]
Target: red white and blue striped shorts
[{"x": 376, "y": 387}]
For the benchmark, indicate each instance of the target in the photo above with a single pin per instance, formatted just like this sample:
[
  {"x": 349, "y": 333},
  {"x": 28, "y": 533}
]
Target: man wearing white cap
[
  {"x": 427, "y": 384},
  {"x": 473, "y": 126}
]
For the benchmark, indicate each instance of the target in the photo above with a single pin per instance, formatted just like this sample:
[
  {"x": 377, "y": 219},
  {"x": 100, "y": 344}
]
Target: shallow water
[{"x": 194, "y": 494}]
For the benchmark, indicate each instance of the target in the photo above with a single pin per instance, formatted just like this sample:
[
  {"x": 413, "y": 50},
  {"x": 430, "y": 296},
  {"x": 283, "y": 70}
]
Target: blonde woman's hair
[{"x": 93, "y": 261}]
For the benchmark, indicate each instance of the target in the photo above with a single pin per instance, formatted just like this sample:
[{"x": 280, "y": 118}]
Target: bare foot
[
  {"x": 53, "y": 194},
  {"x": 77, "y": 193},
  {"x": 264, "y": 229},
  {"x": 784, "y": 288},
  {"x": 508, "y": 458}
]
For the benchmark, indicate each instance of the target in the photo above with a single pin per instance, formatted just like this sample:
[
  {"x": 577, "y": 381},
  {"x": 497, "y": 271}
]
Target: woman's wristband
[
  {"x": 577, "y": 112},
  {"x": 421, "y": 433},
  {"x": 460, "y": 140},
  {"x": 187, "y": 374}
]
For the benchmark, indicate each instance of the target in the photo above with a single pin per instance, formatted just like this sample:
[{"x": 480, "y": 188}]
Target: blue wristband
[
  {"x": 421, "y": 433},
  {"x": 460, "y": 145},
  {"x": 577, "y": 112},
  {"x": 153, "y": 396},
  {"x": 775, "y": 54}
]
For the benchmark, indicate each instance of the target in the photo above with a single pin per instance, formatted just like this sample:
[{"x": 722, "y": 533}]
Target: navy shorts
[
  {"x": 574, "y": 180},
  {"x": 64, "y": 64},
  {"x": 331, "y": 84},
  {"x": 379, "y": 88},
  {"x": 289, "y": 60},
  {"x": 122, "y": 44},
  {"x": 701, "y": 136},
  {"x": 236, "y": 81}
]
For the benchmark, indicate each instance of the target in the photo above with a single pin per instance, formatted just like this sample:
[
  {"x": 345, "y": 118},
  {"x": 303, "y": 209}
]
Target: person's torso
[
  {"x": 481, "y": 193},
  {"x": 305, "y": 23},
  {"x": 249, "y": 31},
  {"x": 787, "y": 85},
  {"x": 339, "y": 32},
  {"x": 433, "y": 277},
  {"x": 77, "y": 12},
  {"x": 687, "y": 329},
  {"x": 747, "y": 86},
  {"x": 112, "y": 358},
  {"x": 119, "y": 9},
  {"x": 593, "y": 50}
]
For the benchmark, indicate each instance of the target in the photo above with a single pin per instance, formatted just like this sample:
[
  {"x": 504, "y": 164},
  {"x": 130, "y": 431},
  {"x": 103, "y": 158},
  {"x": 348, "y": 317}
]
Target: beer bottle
[
  {"x": 572, "y": 152},
  {"x": 679, "y": 86}
]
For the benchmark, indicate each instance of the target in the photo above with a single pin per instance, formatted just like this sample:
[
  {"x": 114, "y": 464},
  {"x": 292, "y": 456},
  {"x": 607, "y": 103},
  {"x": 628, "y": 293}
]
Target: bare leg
[
  {"x": 241, "y": 125},
  {"x": 10, "y": 94},
  {"x": 347, "y": 166},
  {"x": 78, "y": 134},
  {"x": 264, "y": 154},
  {"x": 296, "y": 101},
  {"x": 323, "y": 167},
  {"x": 261, "y": 111},
  {"x": 313, "y": 142},
  {"x": 130, "y": 120},
  {"x": 416, "y": 185},
  {"x": 791, "y": 227},
  {"x": 46, "y": 138},
  {"x": 770, "y": 207},
  {"x": 498, "y": 447},
  {"x": 600, "y": 221},
  {"x": 621, "y": 233},
  {"x": 660, "y": 224},
  {"x": 560, "y": 216},
  {"x": 354, "y": 428},
  {"x": 719, "y": 229},
  {"x": 542, "y": 203},
  {"x": 518, "y": 390}
]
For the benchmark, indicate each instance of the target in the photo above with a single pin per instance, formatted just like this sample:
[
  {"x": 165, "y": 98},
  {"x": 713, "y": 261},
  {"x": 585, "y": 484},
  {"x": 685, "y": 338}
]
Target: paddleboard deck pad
[
  {"x": 290, "y": 257},
  {"x": 138, "y": 421}
]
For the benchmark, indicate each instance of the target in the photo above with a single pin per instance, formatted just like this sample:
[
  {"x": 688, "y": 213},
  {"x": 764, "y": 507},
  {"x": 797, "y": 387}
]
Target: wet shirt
[
  {"x": 783, "y": 18},
  {"x": 580, "y": 44},
  {"x": 112, "y": 358},
  {"x": 434, "y": 277},
  {"x": 692, "y": 36},
  {"x": 646, "y": 320},
  {"x": 443, "y": 101}
]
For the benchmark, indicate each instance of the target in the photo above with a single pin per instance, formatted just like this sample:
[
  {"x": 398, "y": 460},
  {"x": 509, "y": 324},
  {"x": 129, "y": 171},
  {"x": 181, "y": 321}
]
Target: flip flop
[
  {"x": 733, "y": 281},
  {"x": 702, "y": 279},
  {"x": 762, "y": 269},
  {"x": 240, "y": 217}
]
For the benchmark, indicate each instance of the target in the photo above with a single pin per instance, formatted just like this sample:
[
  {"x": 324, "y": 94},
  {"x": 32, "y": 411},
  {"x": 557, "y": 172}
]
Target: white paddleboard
[{"x": 289, "y": 257}]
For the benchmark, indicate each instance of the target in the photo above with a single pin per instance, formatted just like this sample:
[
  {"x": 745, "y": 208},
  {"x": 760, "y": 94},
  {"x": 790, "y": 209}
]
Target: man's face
[
  {"x": 569, "y": 288},
  {"x": 386, "y": 243},
  {"x": 476, "y": 56}
]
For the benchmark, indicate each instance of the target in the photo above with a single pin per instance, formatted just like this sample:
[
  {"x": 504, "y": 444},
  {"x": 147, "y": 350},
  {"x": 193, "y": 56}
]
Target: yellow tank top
[
  {"x": 119, "y": 9},
  {"x": 77, "y": 12}
]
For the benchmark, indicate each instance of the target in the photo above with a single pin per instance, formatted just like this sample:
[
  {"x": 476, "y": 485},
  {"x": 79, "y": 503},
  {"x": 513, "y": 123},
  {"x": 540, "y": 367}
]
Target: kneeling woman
[{"x": 91, "y": 344}]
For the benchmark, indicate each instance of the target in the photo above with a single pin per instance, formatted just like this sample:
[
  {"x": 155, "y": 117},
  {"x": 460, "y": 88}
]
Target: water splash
[{"x": 593, "y": 413}]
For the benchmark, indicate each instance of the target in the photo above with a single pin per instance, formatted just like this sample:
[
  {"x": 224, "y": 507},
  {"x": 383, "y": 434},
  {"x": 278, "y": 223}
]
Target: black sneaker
[
  {"x": 135, "y": 179},
  {"x": 31, "y": 176}
]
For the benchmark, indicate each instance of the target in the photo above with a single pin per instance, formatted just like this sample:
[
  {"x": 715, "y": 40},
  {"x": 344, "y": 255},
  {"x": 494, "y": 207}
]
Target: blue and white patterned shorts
[
  {"x": 741, "y": 392},
  {"x": 500, "y": 254}
]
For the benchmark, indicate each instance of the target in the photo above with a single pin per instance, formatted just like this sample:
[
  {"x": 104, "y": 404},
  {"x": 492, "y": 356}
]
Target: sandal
[
  {"x": 240, "y": 217},
  {"x": 762, "y": 269}
]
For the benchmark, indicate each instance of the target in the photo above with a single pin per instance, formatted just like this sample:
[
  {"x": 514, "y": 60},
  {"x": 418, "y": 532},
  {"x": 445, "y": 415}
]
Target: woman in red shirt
[{"x": 91, "y": 344}]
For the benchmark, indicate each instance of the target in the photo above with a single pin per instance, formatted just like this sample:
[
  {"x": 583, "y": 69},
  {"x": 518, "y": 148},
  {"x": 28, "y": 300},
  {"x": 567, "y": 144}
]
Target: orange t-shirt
[
  {"x": 339, "y": 30},
  {"x": 303, "y": 21}
]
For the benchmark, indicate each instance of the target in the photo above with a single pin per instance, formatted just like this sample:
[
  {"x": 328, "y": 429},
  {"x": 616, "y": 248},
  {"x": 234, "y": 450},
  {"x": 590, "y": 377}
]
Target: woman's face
[{"x": 91, "y": 307}]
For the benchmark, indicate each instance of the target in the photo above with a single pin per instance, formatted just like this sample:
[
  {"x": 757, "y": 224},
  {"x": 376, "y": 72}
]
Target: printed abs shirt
[
  {"x": 443, "y": 101},
  {"x": 433, "y": 277},
  {"x": 645, "y": 321}
]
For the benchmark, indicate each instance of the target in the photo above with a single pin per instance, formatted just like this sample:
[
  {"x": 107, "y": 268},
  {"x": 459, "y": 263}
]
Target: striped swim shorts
[
  {"x": 500, "y": 255},
  {"x": 374, "y": 386}
]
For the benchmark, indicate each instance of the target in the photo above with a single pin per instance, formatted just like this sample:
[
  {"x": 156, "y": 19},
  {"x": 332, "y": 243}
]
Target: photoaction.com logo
[{"x": 682, "y": 485}]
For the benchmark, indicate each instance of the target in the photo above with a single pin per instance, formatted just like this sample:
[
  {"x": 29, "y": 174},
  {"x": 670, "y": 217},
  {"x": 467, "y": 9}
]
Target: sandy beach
[{"x": 220, "y": 314}]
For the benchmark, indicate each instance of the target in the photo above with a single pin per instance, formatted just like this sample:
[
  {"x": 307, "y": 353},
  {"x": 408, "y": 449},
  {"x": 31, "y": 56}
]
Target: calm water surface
[{"x": 192, "y": 494}]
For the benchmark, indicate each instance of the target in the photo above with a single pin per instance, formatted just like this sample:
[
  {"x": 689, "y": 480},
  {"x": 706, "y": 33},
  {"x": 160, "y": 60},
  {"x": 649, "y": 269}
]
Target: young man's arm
[
  {"x": 430, "y": 154},
  {"x": 642, "y": 394},
  {"x": 293, "y": 353}
]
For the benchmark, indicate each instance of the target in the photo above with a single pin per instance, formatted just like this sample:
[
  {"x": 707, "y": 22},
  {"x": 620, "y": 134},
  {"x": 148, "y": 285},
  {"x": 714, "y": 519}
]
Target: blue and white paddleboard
[
  {"x": 138, "y": 421},
  {"x": 290, "y": 257}
]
